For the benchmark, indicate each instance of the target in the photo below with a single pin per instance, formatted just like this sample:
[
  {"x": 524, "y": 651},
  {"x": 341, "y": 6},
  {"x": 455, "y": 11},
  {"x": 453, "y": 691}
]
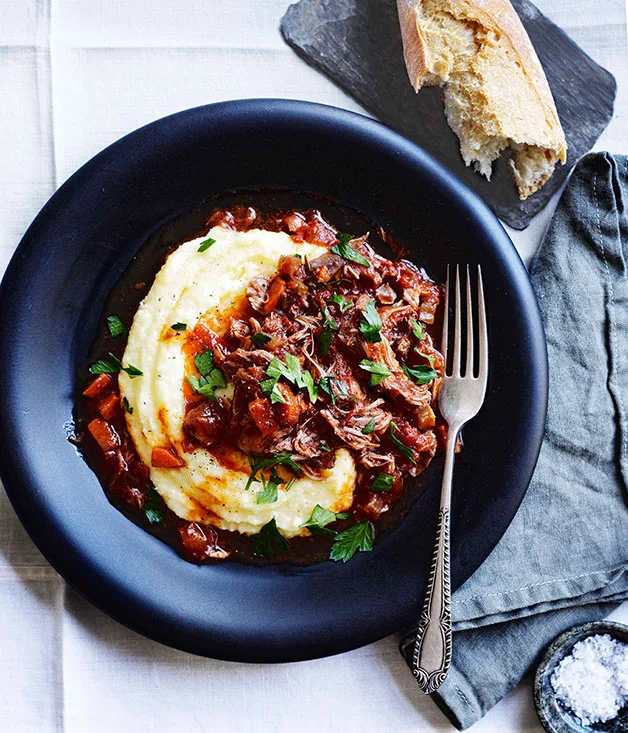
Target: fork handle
[{"x": 432, "y": 649}]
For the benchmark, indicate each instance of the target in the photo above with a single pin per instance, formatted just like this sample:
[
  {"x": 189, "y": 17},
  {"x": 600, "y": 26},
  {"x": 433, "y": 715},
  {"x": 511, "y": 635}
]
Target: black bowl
[
  {"x": 554, "y": 717},
  {"x": 51, "y": 300}
]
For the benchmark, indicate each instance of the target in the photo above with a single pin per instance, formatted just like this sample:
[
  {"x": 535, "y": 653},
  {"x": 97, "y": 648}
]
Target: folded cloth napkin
[{"x": 564, "y": 558}]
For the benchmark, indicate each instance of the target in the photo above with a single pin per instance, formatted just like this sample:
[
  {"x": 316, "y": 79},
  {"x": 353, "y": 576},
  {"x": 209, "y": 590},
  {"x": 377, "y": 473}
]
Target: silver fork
[{"x": 460, "y": 399}]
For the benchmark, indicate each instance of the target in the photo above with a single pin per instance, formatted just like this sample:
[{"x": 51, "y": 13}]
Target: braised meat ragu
[
  {"x": 330, "y": 353},
  {"x": 326, "y": 353}
]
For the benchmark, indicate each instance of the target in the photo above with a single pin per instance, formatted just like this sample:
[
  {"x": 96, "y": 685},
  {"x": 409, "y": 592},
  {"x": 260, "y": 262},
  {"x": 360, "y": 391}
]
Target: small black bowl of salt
[{"x": 581, "y": 684}]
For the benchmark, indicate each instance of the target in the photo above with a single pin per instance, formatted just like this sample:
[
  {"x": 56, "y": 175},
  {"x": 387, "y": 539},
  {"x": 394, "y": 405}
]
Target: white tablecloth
[{"x": 74, "y": 76}]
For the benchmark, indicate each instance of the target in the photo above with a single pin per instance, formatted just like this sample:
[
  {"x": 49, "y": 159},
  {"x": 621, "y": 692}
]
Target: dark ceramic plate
[
  {"x": 51, "y": 300},
  {"x": 552, "y": 714}
]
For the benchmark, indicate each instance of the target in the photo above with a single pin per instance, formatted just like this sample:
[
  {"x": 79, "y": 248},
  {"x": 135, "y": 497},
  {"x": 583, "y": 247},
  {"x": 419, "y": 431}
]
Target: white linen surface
[{"x": 74, "y": 77}]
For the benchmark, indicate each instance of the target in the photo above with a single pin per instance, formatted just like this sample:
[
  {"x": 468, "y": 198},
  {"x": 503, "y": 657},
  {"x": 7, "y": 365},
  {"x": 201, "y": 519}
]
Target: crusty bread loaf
[{"x": 496, "y": 94}]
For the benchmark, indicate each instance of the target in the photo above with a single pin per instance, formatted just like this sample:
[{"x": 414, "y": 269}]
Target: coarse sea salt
[{"x": 593, "y": 680}]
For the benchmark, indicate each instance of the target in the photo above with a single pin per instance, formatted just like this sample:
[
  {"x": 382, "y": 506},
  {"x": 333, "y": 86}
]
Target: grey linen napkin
[{"x": 564, "y": 558}]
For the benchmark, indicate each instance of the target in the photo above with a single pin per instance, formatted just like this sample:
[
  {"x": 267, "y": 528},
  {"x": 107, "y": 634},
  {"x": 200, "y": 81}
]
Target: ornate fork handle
[{"x": 432, "y": 648}]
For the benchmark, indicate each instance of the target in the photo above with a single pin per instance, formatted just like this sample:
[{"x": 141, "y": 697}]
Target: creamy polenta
[{"x": 194, "y": 287}]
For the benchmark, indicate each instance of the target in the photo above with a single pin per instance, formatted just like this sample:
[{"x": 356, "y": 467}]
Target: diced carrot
[
  {"x": 275, "y": 291},
  {"x": 104, "y": 434},
  {"x": 109, "y": 405},
  {"x": 262, "y": 413},
  {"x": 165, "y": 457},
  {"x": 98, "y": 385}
]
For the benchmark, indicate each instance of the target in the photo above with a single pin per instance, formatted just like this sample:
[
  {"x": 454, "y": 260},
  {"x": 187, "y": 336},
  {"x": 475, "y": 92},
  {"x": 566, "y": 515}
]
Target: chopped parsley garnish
[
  {"x": 378, "y": 372},
  {"x": 268, "y": 494},
  {"x": 401, "y": 447},
  {"x": 324, "y": 447},
  {"x": 179, "y": 326},
  {"x": 371, "y": 324},
  {"x": 427, "y": 357},
  {"x": 268, "y": 540},
  {"x": 154, "y": 506},
  {"x": 320, "y": 518},
  {"x": 269, "y": 387},
  {"x": 116, "y": 327},
  {"x": 259, "y": 464},
  {"x": 206, "y": 244},
  {"x": 204, "y": 362},
  {"x": 289, "y": 485},
  {"x": 328, "y": 321},
  {"x": 324, "y": 341},
  {"x": 325, "y": 383},
  {"x": 382, "y": 482},
  {"x": 344, "y": 237},
  {"x": 348, "y": 253},
  {"x": 132, "y": 371},
  {"x": 358, "y": 538},
  {"x": 418, "y": 330},
  {"x": 102, "y": 366},
  {"x": 343, "y": 303},
  {"x": 420, "y": 374},
  {"x": 327, "y": 334},
  {"x": 291, "y": 371},
  {"x": 127, "y": 406},
  {"x": 211, "y": 378},
  {"x": 114, "y": 365},
  {"x": 260, "y": 339},
  {"x": 312, "y": 389},
  {"x": 369, "y": 427}
]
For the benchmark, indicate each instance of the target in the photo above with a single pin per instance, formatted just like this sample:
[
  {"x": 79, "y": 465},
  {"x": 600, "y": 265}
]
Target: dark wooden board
[{"x": 357, "y": 44}]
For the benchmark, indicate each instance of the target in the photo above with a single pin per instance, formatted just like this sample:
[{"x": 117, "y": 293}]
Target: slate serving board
[{"x": 357, "y": 44}]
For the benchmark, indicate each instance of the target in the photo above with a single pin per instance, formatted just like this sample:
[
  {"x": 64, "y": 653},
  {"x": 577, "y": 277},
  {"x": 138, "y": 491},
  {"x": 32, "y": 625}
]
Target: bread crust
[{"x": 496, "y": 20}]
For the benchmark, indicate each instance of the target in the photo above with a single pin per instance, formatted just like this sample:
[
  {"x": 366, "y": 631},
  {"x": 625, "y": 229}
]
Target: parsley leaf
[
  {"x": 320, "y": 518},
  {"x": 344, "y": 237},
  {"x": 325, "y": 383},
  {"x": 112, "y": 366},
  {"x": 418, "y": 330},
  {"x": 428, "y": 357},
  {"x": 268, "y": 540},
  {"x": 127, "y": 406},
  {"x": 348, "y": 253},
  {"x": 291, "y": 371},
  {"x": 358, "y": 538},
  {"x": 371, "y": 324},
  {"x": 269, "y": 387},
  {"x": 327, "y": 334},
  {"x": 179, "y": 326},
  {"x": 312, "y": 389},
  {"x": 378, "y": 372},
  {"x": 324, "y": 341},
  {"x": 116, "y": 327},
  {"x": 102, "y": 366},
  {"x": 212, "y": 381},
  {"x": 420, "y": 374},
  {"x": 154, "y": 506},
  {"x": 268, "y": 494},
  {"x": 369, "y": 427},
  {"x": 278, "y": 459},
  {"x": 260, "y": 339},
  {"x": 204, "y": 362},
  {"x": 328, "y": 321},
  {"x": 382, "y": 482},
  {"x": 343, "y": 303},
  {"x": 211, "y": 377},
  {"x": 401, "y": 447},
  {"x": 132, "y": 371},
  {"x": 206, "y": 244}
]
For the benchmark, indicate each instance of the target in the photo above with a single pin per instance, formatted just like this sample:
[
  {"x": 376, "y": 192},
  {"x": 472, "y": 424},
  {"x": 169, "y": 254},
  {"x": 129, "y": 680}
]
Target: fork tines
[{"x": 481, "y": 360}]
